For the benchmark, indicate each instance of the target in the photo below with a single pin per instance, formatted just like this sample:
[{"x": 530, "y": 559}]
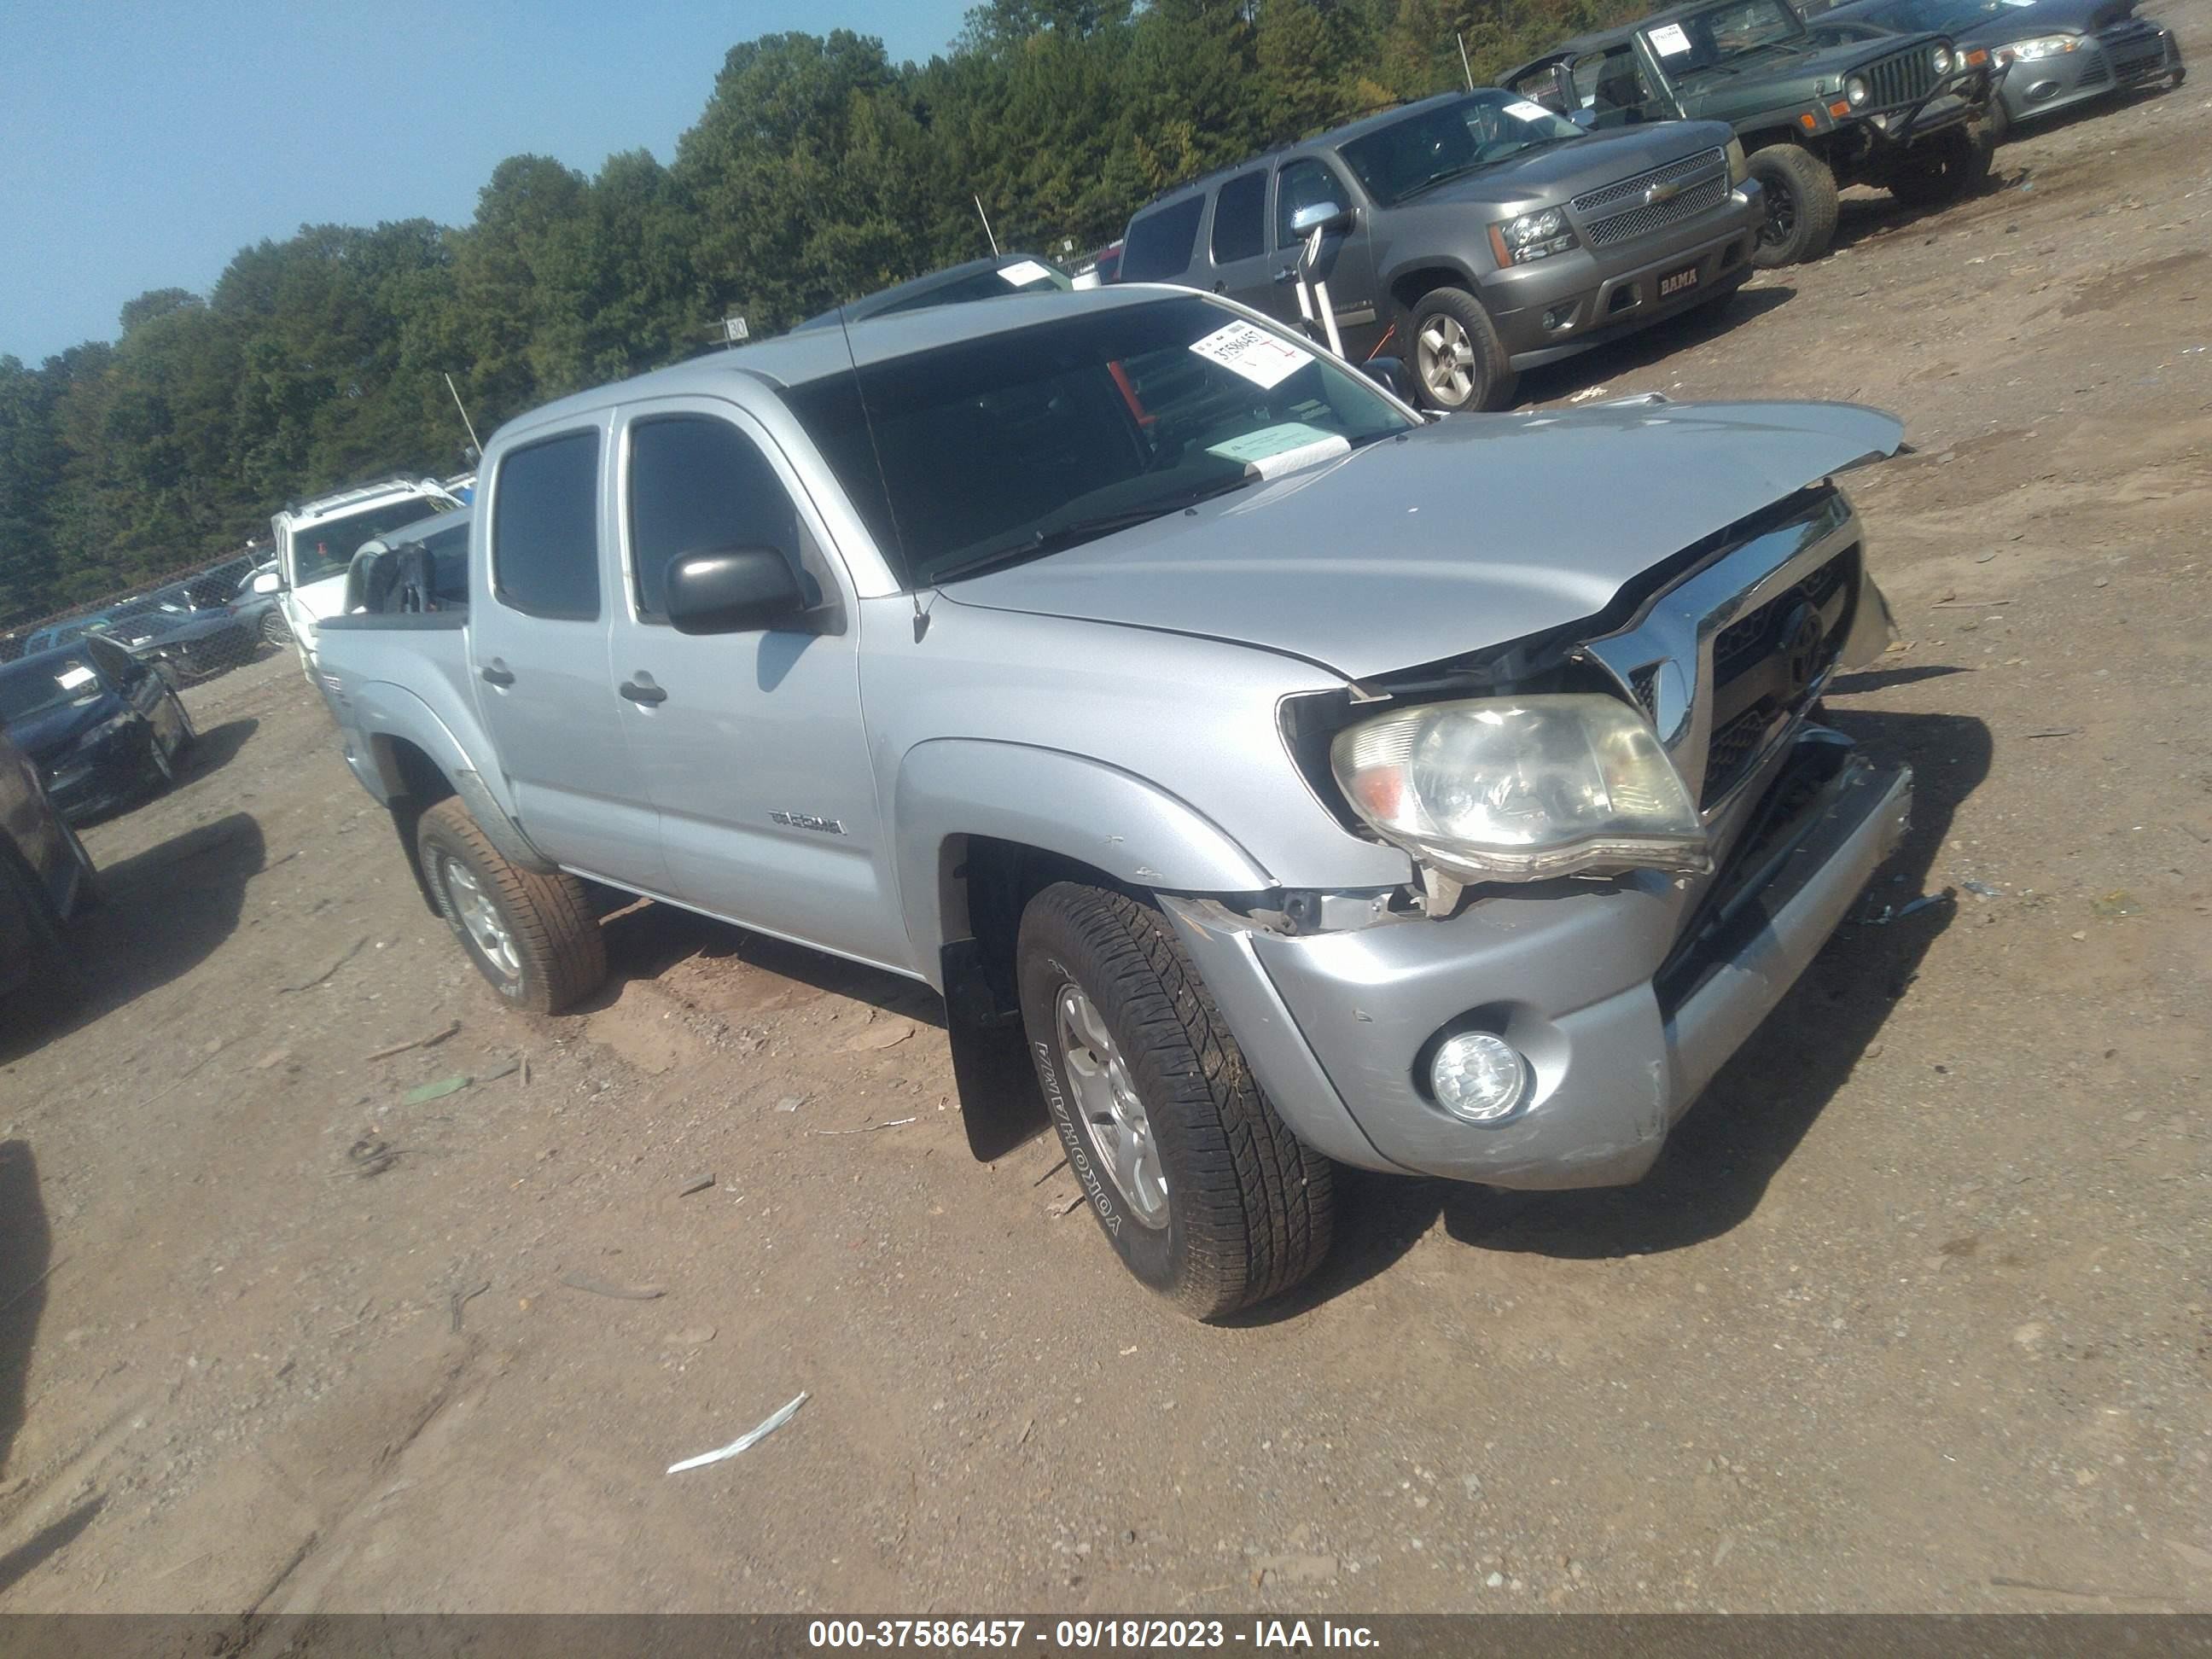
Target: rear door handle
[
  {"x": 648, "y": 693},
  {"x": 495, "y": 673}
]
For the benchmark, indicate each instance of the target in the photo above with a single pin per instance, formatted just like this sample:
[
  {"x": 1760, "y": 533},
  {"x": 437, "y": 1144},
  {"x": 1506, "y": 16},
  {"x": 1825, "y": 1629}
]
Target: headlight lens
[
  {"x": 2043, "y": 46},
  {"x": 1738, "y": 168},
  {"x": 1941, "y": 60},
  {"x": 1521, "y": 788},
  {"x": 1532, "y": 236},
  {"x": 1855, "y": 89}
]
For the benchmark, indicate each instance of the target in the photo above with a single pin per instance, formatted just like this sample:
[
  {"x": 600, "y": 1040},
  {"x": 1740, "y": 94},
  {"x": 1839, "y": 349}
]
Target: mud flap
[{"x": 1001, "y": 1104}]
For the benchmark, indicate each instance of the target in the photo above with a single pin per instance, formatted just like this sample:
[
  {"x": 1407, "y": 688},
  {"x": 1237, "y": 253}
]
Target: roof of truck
[
  {"x": 816, "y": 352},
  {"x": 317, "y": 507}
]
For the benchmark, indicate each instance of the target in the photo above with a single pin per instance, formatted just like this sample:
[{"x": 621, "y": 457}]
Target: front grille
[
  {"x": 1694, "y": 200},
  {"x": 2095, "y": 73},
  {"x": 1632, "y": 189},
  {"x": 2134, "y": 50},
  {"x": 1752, "y": 692},
  {"x": 1906, "y": 77}
]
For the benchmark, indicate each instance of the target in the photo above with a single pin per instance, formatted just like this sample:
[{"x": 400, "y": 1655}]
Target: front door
[
  {"x": 538, "y": 633},
  {"x": 1346, "y": 261},
  {"x": 751, "y": 744}
]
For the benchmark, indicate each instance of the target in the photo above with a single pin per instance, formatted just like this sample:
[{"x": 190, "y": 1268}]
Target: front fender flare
[{"x": 1080, "y": 808}]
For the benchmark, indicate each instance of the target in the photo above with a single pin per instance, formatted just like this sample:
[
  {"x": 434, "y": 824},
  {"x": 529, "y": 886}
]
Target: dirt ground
[{"x": 1912, "y": 1315}]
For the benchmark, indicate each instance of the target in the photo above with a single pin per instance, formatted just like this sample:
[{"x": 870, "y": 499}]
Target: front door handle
[
  {"x": 495, "y": 673},
  {"x": 1287, "y": 274},
  {"x": 648, "y": 693}
]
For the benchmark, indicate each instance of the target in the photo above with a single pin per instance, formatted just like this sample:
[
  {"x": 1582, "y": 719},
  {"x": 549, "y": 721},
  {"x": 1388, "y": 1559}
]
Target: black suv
[{"x": 1473, "y": 235}]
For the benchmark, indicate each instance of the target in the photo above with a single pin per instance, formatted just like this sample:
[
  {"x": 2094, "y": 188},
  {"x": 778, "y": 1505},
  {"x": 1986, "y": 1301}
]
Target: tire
[
  {"x": 1457, "y": 362},
  {"x": 1239, "y": 1209},
  {"x": 188, "y": 733},
  {"x": 533, "y": 938},
  {"x": 162, "y": 762},
  {"x": 1956, "y": 165},
  {"x": 1801, "y": 206}
]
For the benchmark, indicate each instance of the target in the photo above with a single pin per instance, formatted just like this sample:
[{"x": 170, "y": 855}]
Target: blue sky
[{"x": 142, "y": 145}]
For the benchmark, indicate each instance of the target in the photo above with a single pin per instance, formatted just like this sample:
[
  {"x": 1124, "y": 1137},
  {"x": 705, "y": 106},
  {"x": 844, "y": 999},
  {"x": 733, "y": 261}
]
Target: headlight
[
  {"x": 2043, "y": 46},
  {"x": 1855, "y": 89},
  {"x": 1532, "y": 236},
  {"x": 1521, "y": 788},
  {"x": 1940, "y": 60},
  {"x": 1739, "y": 169}
]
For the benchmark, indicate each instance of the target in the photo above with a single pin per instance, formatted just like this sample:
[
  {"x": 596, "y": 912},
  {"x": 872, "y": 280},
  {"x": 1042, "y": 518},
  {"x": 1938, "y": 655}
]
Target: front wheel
[
  {"x": 1458, "y": 363},
  {"x": 533, "y": 938},
  {"x": 1802, "y": 205},
  {"x": 1202, "y": 1190},
  {"x": 274, "y": 630}
]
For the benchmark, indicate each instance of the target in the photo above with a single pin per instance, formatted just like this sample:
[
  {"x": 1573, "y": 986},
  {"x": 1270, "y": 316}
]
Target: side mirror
[
  {"x": 1389, "y": 374},
  {"x": 1327, "y": 217},
  {"x": 1585, "y": 118},
  {"x": 267, "y": 582},
  {"x": 732, "y": 590}
]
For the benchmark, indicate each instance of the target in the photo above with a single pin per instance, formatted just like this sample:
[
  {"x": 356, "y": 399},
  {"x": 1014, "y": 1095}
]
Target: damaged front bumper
[{"x": 1626, "y": 998}]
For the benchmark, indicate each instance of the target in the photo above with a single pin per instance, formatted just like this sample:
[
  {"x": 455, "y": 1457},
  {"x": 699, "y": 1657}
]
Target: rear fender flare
[{"x": 386, "y": 715}]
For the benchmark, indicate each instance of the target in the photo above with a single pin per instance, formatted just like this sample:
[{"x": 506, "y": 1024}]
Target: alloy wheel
[
  {"x": 479, "y": 918},
  {"x": 1113, "y": 1112},
  {"x": 1444, "y": 358}
]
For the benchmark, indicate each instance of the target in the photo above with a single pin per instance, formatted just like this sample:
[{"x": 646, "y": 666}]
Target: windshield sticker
[
  {"x": 1668, "y": 40},
  {"x": 1245, "y": 349},
  {"x": 1023, "y": 272},
  {"x": 1526, "y": 110},
  {"x": 1269, "y": 440},
  {"x": 74, "y": 675}
]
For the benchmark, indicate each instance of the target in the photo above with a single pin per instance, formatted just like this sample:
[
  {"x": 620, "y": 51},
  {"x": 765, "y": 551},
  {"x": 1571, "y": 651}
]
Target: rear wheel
[
  {"x": 1202, "y": 1190},
  {"x": 533, "y": 938},
  {"x": 1800, "y": 192},
  {"x": 1954, "y": 165},
  {"x": 1458, "y": 363}
]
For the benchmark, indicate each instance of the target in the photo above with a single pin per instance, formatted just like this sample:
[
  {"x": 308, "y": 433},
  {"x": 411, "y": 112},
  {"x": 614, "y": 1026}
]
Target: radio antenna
[
  {"x": 882, "y": 477},
  {"x": 987, "y": 231},
  {"x": 466, "y": 421}
]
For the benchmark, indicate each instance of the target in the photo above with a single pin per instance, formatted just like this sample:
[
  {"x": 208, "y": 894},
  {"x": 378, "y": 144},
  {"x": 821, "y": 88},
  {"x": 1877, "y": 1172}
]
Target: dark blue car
[{"x": 103, "y": 727}]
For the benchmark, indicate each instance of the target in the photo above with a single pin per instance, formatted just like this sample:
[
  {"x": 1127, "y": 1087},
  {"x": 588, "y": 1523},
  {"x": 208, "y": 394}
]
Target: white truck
[{"x": 316, "y": 541}]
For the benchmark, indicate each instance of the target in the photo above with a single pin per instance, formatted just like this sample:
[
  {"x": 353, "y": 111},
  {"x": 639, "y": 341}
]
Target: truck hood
[
  {"x": 1472, "y": 533},
  {"x": 1566, "y": 170}
]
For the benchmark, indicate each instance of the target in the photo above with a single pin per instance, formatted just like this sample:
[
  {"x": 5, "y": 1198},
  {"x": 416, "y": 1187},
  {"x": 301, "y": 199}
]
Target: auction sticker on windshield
[
  {"x": 1260, "y": 357},
  {"x": 74, "y": 675},
  {"x": 1023, "y": 272},
  {"x": 1527, "y": 111},
  {"x": 1668, "y": 40}
]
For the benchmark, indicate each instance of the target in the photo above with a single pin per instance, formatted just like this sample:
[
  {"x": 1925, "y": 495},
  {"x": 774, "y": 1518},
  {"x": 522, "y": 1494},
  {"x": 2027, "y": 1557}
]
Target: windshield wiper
[
  {"x": 1058, "y": 538},
  {"x": 1438, "y": 178}
]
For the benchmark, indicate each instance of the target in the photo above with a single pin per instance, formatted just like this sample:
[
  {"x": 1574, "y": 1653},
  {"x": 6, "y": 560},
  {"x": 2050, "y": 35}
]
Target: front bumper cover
[{"x": 1626, "y": 998}]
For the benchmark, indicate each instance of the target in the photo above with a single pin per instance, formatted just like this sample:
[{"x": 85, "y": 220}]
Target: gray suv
[
  {"x": 1475, "y": 234},
  {"x": 1269, "y": 778}
]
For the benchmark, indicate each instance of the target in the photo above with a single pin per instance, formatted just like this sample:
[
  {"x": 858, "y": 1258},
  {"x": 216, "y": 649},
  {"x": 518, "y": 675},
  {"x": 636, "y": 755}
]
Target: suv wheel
[
  {"x": 533, "y": 938},
  {"x": 274, "y": 630},
  {"x": 1202, "y": 1190},
  {"x": 1457, "y": 361},
  {"x": 1801, "y": 205},
  {"x": 1952, "y": 168}
]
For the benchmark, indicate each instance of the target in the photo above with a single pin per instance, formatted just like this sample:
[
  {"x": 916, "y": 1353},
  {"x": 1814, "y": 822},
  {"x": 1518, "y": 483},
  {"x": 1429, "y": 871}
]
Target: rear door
[
  {"x": 539, "y": 633},
  {"x": 1347, "y": 260},
  {"x": 752, "y": 744}
]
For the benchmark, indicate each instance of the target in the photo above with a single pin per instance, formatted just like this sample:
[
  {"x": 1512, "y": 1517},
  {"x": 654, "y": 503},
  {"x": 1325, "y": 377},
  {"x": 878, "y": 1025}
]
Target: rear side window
[
  {"x": 1240, "y": 219},
  {"x": 696, "y": 485},
  {"x": 545, "y": 528},
  {"x": 1160, "y": 244}
]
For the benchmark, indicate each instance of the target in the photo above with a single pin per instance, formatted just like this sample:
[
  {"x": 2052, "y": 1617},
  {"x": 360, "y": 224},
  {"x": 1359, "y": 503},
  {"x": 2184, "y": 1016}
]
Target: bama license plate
[{"x": 1679, "y": 281}]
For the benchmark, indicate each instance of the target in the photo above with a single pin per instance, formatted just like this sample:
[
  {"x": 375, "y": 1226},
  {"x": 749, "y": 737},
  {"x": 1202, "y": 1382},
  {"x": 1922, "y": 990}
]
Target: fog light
[
  {"x": 1479, "y": 1078},
  {"x": 1558, "y": 317}
]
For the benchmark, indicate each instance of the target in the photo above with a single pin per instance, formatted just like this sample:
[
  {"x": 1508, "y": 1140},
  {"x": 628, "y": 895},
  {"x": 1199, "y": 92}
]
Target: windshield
[
  {"x": 1399, "y": 161},
  {"x": 1018, "y": 444},
  {"x": 326, "y": 548},
  {"x": 1717, "y": 39},
  {"x": 32, "y": 688},
  {"x": 1022, "y": 277}
]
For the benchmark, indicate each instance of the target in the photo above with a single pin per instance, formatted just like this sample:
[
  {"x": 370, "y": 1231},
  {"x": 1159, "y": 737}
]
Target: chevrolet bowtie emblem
[{"x": 1662, "y": 191}]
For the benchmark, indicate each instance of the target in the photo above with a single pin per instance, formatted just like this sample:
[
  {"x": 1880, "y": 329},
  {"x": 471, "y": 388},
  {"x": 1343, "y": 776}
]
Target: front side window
[
  {"x": 545, "y": 528},
  {"x": 1611, "y": 86},
  {"x": 1160, "y": 244},
  {"x": 1240, "y": 219},
  {"x": 1400, "y": 160},
  {"x": 1303, "y": 184},
  {"x": 699, "y": 485},
  {"x": 1017, "y": 444}
]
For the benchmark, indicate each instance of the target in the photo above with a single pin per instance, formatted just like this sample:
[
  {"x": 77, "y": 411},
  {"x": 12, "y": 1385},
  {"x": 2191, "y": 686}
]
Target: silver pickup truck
[{"x": 1282, "y": 778}]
